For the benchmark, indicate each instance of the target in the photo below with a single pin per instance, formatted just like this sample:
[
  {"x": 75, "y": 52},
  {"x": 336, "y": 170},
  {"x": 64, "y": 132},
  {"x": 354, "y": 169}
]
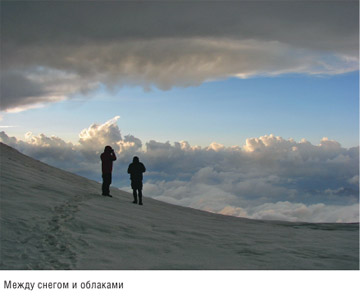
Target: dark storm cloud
[
  {"x": 15, "y": 86},
  {"x": 317, "y": 24},
  {"x": 170, "y": 44}
]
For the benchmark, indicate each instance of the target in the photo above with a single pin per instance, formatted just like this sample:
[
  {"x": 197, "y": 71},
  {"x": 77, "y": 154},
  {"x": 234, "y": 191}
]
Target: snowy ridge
[{"x": 52, "y": 219}]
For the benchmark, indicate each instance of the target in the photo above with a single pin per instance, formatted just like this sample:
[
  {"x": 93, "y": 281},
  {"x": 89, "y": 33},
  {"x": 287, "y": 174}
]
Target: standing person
[
  {"x": 107, "y": 158},
  {"x": 136, "y": 170}
]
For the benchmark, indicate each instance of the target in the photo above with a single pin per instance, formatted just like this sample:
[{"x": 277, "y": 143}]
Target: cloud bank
[
  {"x": 267, "y": 178},
  {"x": 54, "y": 50}
]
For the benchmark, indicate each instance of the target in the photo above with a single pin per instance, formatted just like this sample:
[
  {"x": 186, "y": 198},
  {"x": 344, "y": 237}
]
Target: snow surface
[{"x": 52, "y": 219}]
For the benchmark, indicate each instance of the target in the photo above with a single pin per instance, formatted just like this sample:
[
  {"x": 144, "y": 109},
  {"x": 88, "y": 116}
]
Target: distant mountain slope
[{"x": 52, "y": 219}]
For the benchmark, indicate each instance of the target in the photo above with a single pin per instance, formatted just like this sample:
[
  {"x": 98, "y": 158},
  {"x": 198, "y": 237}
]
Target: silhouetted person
[
  {"x": 136, "y": 170},
  {"x": 107, "y": 158}
]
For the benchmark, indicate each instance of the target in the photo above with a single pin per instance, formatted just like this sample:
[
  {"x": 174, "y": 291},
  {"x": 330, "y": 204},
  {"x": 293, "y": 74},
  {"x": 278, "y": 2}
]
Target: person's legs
[
  {"x": 103, "y": 187},
  {"x": 106, "y": 184},
  {"x": 133, "y": 186},
  {"x": 135, "y": 196}
]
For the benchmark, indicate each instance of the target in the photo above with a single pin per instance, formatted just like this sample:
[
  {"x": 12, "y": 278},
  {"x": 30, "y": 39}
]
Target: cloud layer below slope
[{"x": 267, "y": 178}]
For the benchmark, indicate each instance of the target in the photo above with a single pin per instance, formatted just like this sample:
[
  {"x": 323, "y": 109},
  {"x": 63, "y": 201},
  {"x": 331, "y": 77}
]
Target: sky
[{"x": 272, "y": 86}]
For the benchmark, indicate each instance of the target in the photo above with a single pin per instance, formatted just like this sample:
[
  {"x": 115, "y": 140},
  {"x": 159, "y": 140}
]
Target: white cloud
[
  {"x": 216, "y": 147},
  {"x": 264, "y": 142},
  {"x": 267, "y": 178},
  {"x": 354, "y": 180},
  {"x": 98, "y": 136},
  {"x": 308, "y": 213},
  {"x": 297, "y": 212}
]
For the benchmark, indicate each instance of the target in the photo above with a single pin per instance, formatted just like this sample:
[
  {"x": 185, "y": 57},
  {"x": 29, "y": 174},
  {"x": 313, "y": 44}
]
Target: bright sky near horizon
[{"x": 227, "y": 111}]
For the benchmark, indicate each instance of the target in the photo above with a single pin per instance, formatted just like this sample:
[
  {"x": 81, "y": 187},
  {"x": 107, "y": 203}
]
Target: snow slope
[{"x": 52, "y": 219}]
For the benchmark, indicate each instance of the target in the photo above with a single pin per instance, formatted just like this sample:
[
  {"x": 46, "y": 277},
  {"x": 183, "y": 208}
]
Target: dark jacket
[
  {"x": 136, "y": 170},
  {"x": 107, "y": 158}
]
